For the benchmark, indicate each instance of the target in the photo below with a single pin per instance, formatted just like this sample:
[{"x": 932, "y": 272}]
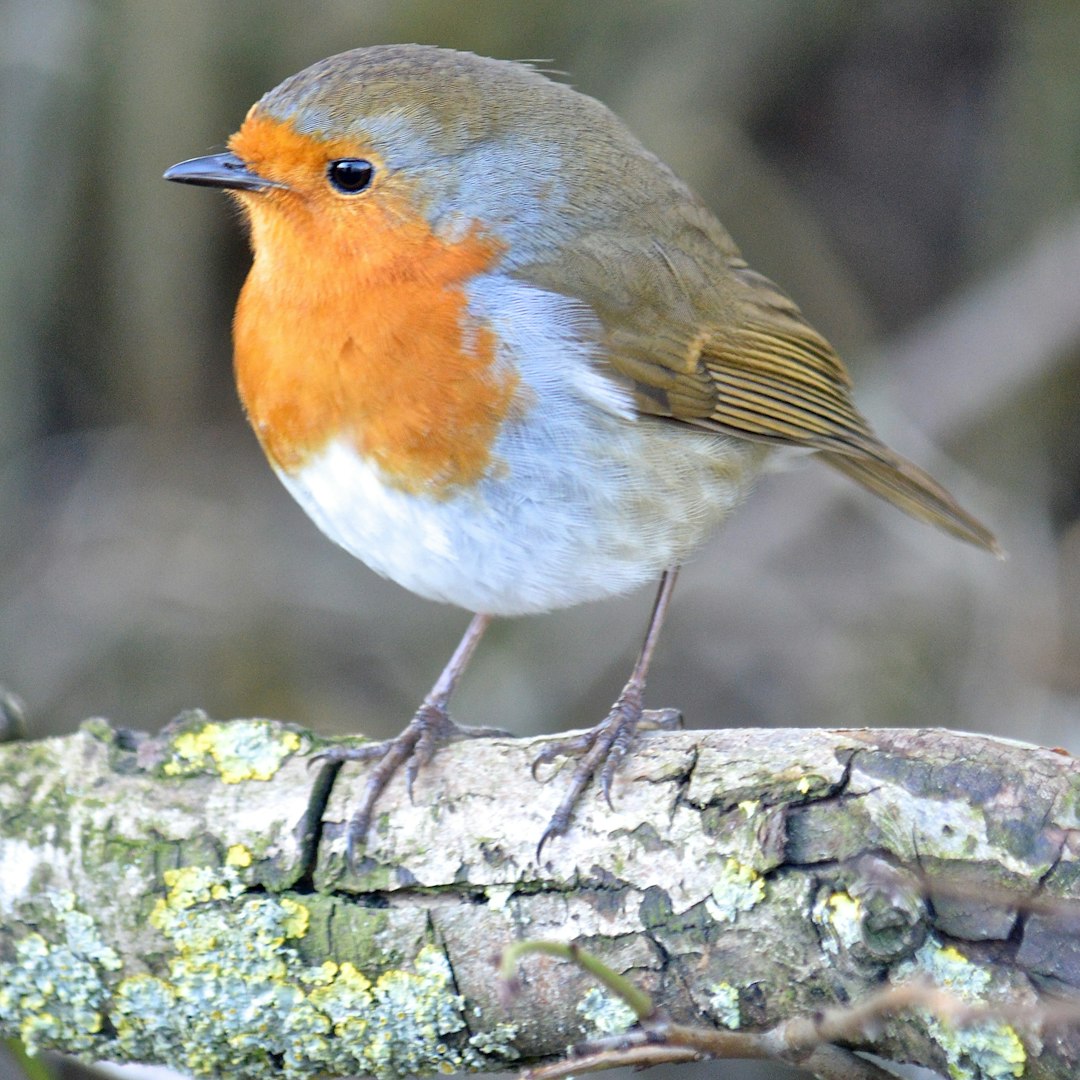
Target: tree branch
[{"x": 185, "y": 900}]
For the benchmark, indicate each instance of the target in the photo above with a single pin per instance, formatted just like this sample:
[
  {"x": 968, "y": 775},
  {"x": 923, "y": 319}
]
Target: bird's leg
[
  {"x": 414, "y": 747},
  {"x": 602, "y": 749}
]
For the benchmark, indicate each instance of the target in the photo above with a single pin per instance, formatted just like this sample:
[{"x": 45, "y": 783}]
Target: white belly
[{"x": 582, "y": 501}]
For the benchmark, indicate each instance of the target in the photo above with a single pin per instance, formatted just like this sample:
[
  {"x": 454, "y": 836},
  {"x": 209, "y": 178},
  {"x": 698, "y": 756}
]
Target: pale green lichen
[
  {"x": 497, "y": 1041},
  {"x": 57, "y": 991},
  {"x": 724, "y": 1005},
  {"x": 604, "y": 1013},
  {"x": 237, "y": 999},
  {"x": 234, "y": 997},
  {"x": 737, "y": 888},
  {"x": 984, "y": 1050},
  {"x": 840, "y": 915},
  {"x": 237, "y": 751}
]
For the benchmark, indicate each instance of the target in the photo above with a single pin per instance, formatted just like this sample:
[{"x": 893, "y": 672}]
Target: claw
[
  {"x": 606, "y": 775},
  {"x": 414, "y": 748},
  {"x": 411, "y": 770},
  {"x": 547, "y": 834},
  {"x": 602, "y": 750},
  {"x": 437, "y": 727}
]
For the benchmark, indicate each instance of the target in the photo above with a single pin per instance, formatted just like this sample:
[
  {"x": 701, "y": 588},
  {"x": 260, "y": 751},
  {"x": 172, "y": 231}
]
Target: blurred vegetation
[{"x": 908, "y": 169}]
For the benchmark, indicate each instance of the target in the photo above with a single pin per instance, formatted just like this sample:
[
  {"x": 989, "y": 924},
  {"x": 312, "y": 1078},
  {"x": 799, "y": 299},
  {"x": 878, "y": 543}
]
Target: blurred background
[{"x": 909, "y": 170}]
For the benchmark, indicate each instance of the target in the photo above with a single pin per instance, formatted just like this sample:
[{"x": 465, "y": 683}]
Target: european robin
[{"x": 500, "y": 353}]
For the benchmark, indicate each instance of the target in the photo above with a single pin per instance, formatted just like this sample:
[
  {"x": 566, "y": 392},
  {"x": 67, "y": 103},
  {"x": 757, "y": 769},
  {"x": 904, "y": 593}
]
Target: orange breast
[{"x": 353, "y": 324}]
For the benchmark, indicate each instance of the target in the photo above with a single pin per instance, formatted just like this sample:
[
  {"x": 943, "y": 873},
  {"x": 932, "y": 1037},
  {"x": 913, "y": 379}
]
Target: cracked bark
[{"x": 743, "y": 877}]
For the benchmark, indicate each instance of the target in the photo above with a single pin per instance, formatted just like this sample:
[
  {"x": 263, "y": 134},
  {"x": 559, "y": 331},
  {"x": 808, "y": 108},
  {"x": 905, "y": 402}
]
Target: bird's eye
[{"x": 350, "y": 175}]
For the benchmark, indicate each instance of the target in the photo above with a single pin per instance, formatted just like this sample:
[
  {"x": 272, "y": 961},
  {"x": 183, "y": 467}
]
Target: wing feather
[{"x": 698, "y": 337}]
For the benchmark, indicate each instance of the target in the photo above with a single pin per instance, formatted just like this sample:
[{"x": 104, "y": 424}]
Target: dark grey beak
[{"x": 220, "y": 171}]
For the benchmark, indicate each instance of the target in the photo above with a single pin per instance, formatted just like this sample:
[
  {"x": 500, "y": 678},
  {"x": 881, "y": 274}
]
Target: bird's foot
[
  {"x": 414, "y": 747},
  {"x": 600, "y": 752}
]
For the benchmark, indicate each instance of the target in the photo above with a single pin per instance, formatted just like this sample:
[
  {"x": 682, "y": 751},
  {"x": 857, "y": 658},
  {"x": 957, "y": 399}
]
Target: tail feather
[{"x": 908, "y": 488}]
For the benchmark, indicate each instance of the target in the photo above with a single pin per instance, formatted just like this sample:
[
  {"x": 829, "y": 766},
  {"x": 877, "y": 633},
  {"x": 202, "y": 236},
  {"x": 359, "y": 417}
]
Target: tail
[{"x": 910, "y": 489}]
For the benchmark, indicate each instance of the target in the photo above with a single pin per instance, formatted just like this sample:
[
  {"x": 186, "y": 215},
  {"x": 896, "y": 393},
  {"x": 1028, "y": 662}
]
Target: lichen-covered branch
[{"x": 185, "y": 899}]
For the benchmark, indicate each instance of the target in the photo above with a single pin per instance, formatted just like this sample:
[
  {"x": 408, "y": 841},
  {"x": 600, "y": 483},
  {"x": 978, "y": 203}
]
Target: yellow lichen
[
  {"x": 231, "y": 996},
  {"x": 237, "y": 751},
  {"x": 985, "y": 1050},
  {"x": 236, "y": 997},
  {"x": 298, "y": 920},
  {"x": 238, "y": 855},
  {"x": 840, "y": 915},
  {"x": 737, "y": 888}
]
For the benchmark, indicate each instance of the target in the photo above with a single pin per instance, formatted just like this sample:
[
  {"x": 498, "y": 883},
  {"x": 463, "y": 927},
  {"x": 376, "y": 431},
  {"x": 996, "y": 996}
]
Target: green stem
[
  {"x": 634, "y": 997},
  {"x": 33, "y": 1068}
]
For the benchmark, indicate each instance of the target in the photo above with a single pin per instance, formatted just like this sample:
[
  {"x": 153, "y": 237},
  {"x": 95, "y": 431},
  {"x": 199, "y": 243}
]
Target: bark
[{"x": 185, "y": 899}]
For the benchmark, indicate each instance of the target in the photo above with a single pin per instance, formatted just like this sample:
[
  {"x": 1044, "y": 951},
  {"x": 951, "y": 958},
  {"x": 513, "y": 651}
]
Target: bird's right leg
[{"x": 430, "y": 726}]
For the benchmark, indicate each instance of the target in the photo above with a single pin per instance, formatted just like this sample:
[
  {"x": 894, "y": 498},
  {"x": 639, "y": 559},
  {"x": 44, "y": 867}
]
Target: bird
[{"x": 500, "y": 353}]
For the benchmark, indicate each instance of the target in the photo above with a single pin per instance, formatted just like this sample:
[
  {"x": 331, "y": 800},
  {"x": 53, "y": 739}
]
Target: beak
[{"x": 220, "y": 171}]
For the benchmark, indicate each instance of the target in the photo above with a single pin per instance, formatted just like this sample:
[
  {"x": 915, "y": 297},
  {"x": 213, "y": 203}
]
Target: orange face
[{"x": 354, "y": 324}]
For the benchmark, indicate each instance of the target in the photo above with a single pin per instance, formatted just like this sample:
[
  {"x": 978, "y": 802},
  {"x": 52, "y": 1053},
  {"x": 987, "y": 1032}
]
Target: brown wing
[
  {"x": 705, "y": 340},
  {"x": 776, "y": 378}
]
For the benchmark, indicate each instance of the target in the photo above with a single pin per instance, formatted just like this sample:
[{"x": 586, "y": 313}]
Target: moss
[
  {"x": 1067, "y": 812},
  {"x": 234, "y": 996},
  {"x": 38, "y": 805},
  {"x": 97, "y": 727},
  {"x": 369, "y": 877},
  {"x": 829, "y": 831},
  {"x": 19, "y": 762},
  {"x": 986, "y": 1050},
  {"x": 238, "y": 751},
  {"x": 647, "y": 839},
  {"x": 737, "y": 888},
  {"x": 345, "y": 930},
  {"x": 1026, "y": 839}
]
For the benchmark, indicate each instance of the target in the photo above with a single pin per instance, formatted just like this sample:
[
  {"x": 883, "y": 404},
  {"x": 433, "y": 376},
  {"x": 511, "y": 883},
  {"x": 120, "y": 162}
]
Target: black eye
[{"x": 350, "y": 175}]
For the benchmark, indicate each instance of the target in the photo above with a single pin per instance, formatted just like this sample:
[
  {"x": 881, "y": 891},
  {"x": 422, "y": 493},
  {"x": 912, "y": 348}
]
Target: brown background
[{"x": 908, "y": 171}]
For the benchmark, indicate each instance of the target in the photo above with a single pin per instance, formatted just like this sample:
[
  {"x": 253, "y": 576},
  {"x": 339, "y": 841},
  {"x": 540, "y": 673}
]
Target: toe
[
  {"x": 661, "y": 720},
  {"x": 573, "y": 746},
  {"x": 600, "y": 751},
  {"x": 335, "y": 755}
]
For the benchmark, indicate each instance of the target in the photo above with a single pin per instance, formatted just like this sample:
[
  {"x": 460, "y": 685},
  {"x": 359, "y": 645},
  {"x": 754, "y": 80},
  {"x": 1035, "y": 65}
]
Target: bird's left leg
[
  {"x": 430, "y": 726},
  {"x": 602, "y": 748}
]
